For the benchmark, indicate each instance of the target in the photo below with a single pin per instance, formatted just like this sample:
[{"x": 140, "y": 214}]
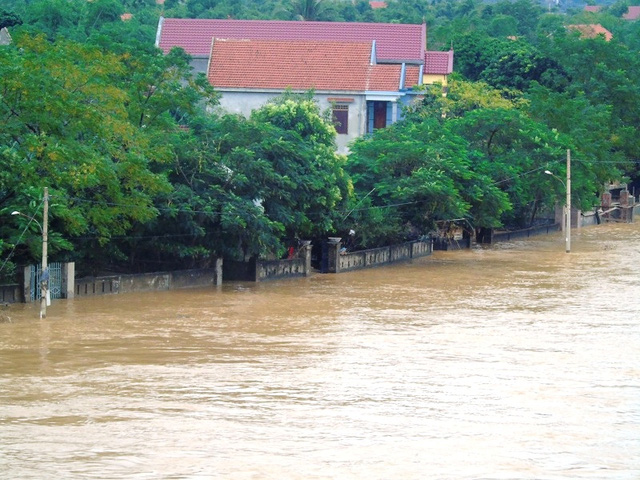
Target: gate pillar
[
  {"x": 26, "y": 284},
  {"x": 69, "y": 279}
]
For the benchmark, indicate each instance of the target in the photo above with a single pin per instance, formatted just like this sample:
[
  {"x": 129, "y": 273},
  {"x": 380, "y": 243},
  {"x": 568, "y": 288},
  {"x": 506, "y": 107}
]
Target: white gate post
[{"x": 69, "y": 275}]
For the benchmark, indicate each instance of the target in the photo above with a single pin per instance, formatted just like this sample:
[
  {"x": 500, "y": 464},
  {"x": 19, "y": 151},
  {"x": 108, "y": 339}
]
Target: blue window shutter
[
  {"x": 369, "y": 117},
  {"x": 389, "y": 113}
]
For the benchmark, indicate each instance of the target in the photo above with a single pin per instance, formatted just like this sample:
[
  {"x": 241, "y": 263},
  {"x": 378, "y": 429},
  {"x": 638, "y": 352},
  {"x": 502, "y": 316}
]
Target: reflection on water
[{"x": 515, "y": 361}]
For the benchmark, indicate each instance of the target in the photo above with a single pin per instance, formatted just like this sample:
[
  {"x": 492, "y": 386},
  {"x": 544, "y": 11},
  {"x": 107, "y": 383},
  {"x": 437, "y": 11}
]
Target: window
[{"x": 341, "y": 118}]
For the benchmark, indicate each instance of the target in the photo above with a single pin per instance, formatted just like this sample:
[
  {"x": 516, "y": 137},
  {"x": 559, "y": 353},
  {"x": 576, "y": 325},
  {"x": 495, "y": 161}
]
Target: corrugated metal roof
[
  {"x": 301, "y": 65},
  {"x": 394, "y": 42}
]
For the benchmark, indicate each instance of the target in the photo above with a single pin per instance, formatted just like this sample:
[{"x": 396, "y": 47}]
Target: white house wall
[{"x": 245, "y": 102}]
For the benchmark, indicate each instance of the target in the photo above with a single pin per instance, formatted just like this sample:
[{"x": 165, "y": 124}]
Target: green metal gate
[{"x": 55, "y": 281}]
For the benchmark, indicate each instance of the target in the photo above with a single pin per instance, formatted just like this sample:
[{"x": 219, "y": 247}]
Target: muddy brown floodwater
[{"x": 517, "y": 361}]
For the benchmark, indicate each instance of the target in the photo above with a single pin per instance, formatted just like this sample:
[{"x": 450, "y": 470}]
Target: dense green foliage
[{"x": 143, "y": 177}]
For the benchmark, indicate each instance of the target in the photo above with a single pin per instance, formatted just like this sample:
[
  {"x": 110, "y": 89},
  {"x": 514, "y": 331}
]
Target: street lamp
[
  {"x": 567, "y": 187},
  {"x": 45, "y": 272}
]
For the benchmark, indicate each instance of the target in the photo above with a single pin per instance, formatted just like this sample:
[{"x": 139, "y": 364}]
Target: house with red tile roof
[
  {"x": 437, "y": 67},
  {"x": 395, "y": 42},
  {"x": 362, "y": 71},
  {"x": 592, "y": 31},
  {"x": 593, "y": 8},
  {"x": 346, "y": 77},
  {"x": 375, "y": 4},
  {"x": 633, "y": 13}
]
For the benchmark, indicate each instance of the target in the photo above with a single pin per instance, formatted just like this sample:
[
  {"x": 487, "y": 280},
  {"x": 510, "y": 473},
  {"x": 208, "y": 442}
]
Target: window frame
[{"x": 341, "y": 122}]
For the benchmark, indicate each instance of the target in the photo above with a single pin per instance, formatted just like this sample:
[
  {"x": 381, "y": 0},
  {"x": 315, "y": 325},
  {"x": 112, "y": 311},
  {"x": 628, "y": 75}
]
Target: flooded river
[{"x": 517, "y": 361}]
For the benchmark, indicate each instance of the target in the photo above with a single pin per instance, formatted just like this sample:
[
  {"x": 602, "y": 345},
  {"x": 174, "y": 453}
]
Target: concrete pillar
[
  {"x": 466, "y": 238},
  {"x": 254, "y": 268},
  {"x": 26, "y": 284},
  {"x": 333, "y": 251},
  {"x": 624, "y": 198},
  {"x": 69, "y": 279},
  {"x": 305, "y": 253},
  {"x": 606, "y": 200},
  {"x": 217, "y": 281},
  {"x": 560, "y": 212},
  {"x": 484, "y": 235}
]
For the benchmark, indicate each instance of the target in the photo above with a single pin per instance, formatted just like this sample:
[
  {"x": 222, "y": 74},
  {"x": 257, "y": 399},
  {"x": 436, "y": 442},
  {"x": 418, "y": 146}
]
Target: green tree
[
  {"x": 414, "y": 174},
  {"x": 309, "y": 10},
  {"x": 243, "y": 187},
  {"x": 525, "y": 12},
  {"x": 514, "y": 151},
  {"x": 310, "y": 181},
  {"x": 9, "y": 18},
  {"x": 101, "y": 12},
  {"x": 83, "y": 123},
  {"x": 52, "y": 17},
  {"x": 598, "y": 149},
  {"x": 503, "y": 26},
  {"x": 212, "y": 210}
]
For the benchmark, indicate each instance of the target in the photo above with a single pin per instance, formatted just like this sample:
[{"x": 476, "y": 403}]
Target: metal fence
[{"x": 55, "y": 281}]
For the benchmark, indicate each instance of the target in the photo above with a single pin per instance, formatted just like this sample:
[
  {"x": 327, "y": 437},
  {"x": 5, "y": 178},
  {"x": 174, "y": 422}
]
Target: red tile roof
[
  {"x": 394, "y": 42},
  {"x": 412, "y": 76},
  {"x": 302, "y": 65},
  {"x": 593, "y": 8},
  {"x": 592, "y": 31},
  {"x": 439, "y": 63},
  {"x": 375, "y": 4},
  {"x": 632, "y": 14}
]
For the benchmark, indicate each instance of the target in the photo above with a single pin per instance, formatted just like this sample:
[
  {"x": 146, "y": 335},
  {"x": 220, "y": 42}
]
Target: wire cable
[{"x": 31, "y": 219}]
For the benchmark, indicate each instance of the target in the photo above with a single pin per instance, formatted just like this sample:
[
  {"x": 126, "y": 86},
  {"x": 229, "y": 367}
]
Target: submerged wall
[{"x": 343, "y": 262}]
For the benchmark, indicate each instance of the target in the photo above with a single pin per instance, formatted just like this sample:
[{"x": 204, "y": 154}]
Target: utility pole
[
  {"x": 567, "y": 206},
  {"x": 44, "y": 276},
  {"x": 568, "y": 231}
]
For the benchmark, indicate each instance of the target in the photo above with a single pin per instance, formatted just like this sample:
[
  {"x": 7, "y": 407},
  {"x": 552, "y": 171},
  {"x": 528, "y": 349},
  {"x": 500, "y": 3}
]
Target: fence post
[
  {"x": 305, "y": 253},
  {"x": 218, "y": 272},
  {"x": 26, "y": 284},
  {"x": 254, "y": 266},
  {"x": 69, "y": 279},
  {"x": 334, "y": 245}
]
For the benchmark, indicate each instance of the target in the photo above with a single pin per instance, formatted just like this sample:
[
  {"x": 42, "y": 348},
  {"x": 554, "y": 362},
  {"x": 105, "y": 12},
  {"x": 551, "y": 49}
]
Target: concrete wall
[
  {"x": 524, "y": 233},
  {"x": 11, "y": 294},
  {"x": 148, "y": 282},
  {"x": 588, "y": 219},
  {"x": 273, "y": 269},
  {"x": 89, "y": 286},
  {"x": 376, "y": 256},
  {"x": 262, "y": 270},
  {"x": 452, "y": 243},
  {"x": 199, "y": 64},
  {"x": 432, "y": 78}
]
